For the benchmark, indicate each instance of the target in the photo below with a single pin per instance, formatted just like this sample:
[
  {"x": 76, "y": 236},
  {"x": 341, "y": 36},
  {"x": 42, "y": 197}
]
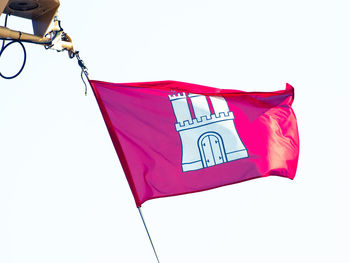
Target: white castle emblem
[{"x": 210, "y": 138}]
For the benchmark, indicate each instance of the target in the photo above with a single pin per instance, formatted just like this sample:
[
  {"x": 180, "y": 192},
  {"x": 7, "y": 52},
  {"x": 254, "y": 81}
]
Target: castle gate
[{"x": 212, "y": 149}]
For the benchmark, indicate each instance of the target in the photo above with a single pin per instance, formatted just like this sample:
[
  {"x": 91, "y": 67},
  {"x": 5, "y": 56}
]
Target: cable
[
  {"x": 3, "y": 47},
  {"x": 24, "y": 58}
]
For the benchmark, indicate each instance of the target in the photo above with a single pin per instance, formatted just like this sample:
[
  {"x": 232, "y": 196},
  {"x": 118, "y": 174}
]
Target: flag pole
[
  {"x": 149, "y": 237},
  {"x": 84, "y": 71}
]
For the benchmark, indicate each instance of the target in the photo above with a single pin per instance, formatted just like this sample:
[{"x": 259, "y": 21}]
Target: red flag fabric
[{"x": 174, "y": 138}]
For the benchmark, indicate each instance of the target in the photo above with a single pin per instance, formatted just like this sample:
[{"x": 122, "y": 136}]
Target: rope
[{"x": 84, "y": 70}]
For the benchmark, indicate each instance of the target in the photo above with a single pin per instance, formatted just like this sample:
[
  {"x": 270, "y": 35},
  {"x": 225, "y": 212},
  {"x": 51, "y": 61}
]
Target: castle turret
[
  {"x": 180, "y": 107},
  {"x": 219, "y": 105},
  {"x": 200, "y": 105}
]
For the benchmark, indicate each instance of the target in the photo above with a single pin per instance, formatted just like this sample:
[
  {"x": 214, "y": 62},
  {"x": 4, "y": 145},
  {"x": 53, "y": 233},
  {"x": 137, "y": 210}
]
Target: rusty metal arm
[{"x": 9, "y": 34}]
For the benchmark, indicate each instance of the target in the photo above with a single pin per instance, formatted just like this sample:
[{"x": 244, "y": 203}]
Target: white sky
[{"x": 63, "y": 195}]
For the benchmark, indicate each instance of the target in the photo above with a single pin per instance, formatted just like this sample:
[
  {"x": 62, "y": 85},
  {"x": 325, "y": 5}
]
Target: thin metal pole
[
  {"x": 84, "y": 71},
  {"x": 150, "y": 239}
]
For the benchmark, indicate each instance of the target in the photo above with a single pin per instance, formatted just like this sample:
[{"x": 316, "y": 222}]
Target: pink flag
[{"x": 174, "y": 138}]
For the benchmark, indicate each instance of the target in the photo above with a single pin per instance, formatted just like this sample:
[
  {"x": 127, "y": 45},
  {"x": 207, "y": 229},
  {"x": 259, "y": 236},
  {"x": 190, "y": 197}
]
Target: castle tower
[
  {"x": 208, "y": 139},
  {"x": 219, "y": 104},
  {"x": 180, "y": 107},
  {"x": 200, "y": 105}
]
